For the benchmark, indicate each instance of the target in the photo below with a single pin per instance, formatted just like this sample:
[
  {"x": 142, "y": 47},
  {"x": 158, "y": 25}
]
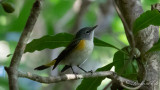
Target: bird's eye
[{"x": 87, "y": 32}]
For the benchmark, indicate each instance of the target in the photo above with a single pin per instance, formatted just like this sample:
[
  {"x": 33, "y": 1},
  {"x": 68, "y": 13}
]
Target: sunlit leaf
[
  {"x": 93, "y": 83},
  {"x": 147, "y": 18}
]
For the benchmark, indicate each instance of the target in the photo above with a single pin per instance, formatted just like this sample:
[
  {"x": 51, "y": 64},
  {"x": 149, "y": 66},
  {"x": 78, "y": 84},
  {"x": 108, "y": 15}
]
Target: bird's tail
[{"x": 42, "y": 67}]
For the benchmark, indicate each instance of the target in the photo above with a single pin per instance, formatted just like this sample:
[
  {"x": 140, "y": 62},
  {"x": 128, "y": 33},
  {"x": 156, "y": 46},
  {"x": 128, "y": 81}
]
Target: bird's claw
[
  {"x": 90, "y": 71},
  {"x": 75, "y": 73}
]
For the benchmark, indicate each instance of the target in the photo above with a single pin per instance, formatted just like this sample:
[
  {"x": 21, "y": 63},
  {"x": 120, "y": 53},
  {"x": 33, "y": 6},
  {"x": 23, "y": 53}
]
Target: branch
[
  {"x": 12, "y": 69},
  {"x": 128, "y": 29},
  {"x": 144, "y": 40},
  {"x": 67, "y": 77},
  {"x": 131, "y": 40}
]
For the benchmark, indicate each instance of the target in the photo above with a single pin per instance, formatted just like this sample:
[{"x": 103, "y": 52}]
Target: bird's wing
[{"x": 66, "y": 51}]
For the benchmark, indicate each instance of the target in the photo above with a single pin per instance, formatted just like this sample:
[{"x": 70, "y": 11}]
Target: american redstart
[{"x": 76, "y": 52}]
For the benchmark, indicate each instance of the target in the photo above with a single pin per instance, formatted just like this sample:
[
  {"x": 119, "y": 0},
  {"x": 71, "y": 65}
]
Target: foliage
[
  {"x": 123, "y": 65},
  {"x": 48, "y": 41},
  {"x": 120, "y": 61},
  {"x": 156, "y": 47},
  {"x": 93, "y": 83},
  {"x": 58, "y": 40},
  {"x": 53, "y": 11},
  {"x": 150, "y": 17},
  {"x": 147, "y": 18}
]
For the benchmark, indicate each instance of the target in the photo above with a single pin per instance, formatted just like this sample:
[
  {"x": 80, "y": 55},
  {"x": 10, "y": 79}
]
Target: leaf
[
  {"x": 93, "y": 83},
  {"x": 58, "y": 40},
  {"x": 49, "y": 41},
  {"x": 119, "y": 59},
  {"x": 124, "y": 66},
  {"x": 156, "y": 47},
  {"x": 98, "y": 42},
  {"x": 147, "y": 18}
]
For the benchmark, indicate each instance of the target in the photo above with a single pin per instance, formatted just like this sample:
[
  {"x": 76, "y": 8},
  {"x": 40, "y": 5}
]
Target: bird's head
[{"x": 86, "y": 33}]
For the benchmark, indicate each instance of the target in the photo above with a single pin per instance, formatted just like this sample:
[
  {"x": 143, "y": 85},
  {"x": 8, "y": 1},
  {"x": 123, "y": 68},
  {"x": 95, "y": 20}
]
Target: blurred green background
[{"x": 60, "y": 16}]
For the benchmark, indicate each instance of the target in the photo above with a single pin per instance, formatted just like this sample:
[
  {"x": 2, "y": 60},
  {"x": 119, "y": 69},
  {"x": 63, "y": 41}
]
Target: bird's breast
[
  {"x": 84, "y": 47},
  {"x": 81, "y": 45},
  {"x": 81, "y": 53}
]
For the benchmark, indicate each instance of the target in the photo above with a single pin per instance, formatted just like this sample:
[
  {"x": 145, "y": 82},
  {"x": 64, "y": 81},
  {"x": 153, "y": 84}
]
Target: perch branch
[
  {"x": 66, "y": 77},
  {"x": 12, "y": 69}
]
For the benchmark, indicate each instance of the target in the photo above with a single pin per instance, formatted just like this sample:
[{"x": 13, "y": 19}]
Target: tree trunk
[{"x": 144, "y": 40}]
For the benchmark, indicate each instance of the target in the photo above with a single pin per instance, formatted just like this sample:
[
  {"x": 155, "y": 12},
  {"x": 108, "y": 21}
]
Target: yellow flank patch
[
  {"x": 81, "y": 45},
  {"x": 51, "y": 63}
]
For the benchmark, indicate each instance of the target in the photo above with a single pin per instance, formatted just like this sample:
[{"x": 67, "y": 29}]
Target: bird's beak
[{"x": 92, "y": 28}]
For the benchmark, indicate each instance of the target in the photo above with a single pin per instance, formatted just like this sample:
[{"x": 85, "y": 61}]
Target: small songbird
[{"x": 76, "y": 52}]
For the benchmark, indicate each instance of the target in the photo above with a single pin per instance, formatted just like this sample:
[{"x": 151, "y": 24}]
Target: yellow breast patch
[{"x": 81, "y": 45}]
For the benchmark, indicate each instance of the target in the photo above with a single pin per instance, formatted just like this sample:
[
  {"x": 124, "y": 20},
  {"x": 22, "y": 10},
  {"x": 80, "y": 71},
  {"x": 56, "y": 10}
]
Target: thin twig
[
  {"x": 126, "y": 26},
  {"x": 12, "y": 69}
]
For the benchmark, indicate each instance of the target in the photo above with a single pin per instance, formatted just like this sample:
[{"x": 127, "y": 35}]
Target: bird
[{"x": 76, "y": 53}]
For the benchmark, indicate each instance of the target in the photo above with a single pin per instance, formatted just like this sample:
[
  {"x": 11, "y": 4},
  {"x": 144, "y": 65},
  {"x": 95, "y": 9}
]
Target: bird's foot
[
  {"x": 75, "y": 73},
  {"x": 90, "y": 71}
]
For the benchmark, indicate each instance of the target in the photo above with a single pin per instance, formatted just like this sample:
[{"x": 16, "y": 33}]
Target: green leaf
[
  {"x": 99, "y": 42},
  {"x": 124, "y": 66},
  {"x": 58, "y": 40},
  {"x": 156, "y": 47},
  {"x": 93, "y": 83},
  {"x": 49, "y": 41},
  {"x": 147, "y": 18}
]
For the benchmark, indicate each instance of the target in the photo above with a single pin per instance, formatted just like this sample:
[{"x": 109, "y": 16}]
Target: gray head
[{"x": 86, "y": 33}]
